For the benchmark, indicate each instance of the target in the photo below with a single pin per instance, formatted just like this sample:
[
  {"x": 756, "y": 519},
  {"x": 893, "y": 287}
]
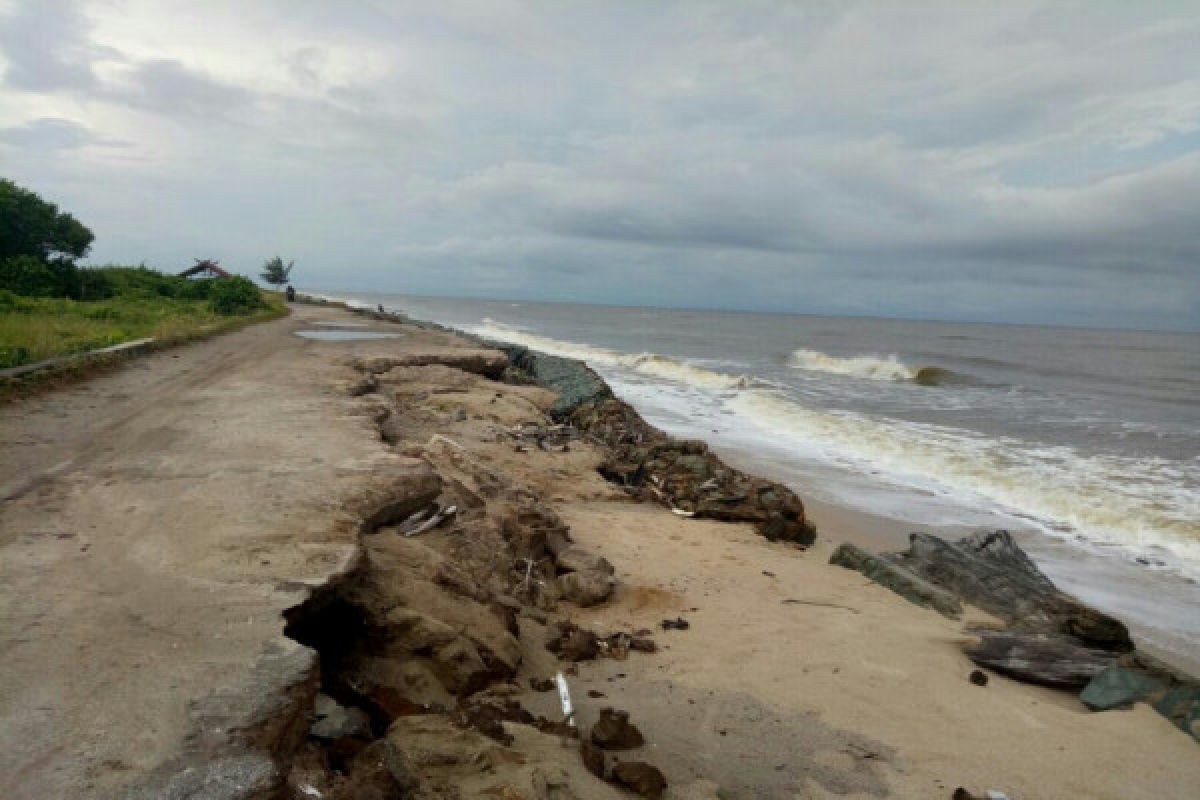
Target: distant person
[{"x": 290, "y": 293}]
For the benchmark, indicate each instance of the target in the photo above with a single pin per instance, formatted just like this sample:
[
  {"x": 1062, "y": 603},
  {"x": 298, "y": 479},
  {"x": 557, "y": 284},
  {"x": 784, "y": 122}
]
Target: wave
[
  {"x": 877, "y": 368},
  {"x": 649, "y": 364},
  {"x": 1140, "y": 504}
]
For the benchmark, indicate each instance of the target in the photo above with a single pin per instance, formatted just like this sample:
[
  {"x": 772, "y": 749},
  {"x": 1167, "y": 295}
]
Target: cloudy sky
[{"x": 1000, "y": 161}]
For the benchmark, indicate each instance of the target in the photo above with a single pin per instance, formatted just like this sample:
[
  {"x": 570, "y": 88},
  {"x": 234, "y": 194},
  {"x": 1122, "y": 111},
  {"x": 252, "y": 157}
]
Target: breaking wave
[
  {"x": 876, "y": 368},
  {"x": 1141, "y": 505},
  {"x": 649, "y": 364}
]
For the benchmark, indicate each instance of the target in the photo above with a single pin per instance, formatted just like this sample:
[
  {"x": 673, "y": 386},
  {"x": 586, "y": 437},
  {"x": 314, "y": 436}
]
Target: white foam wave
[
  {"x": 649, "y": 364},
  {"x": 1143, "y": 505},
  {"x": 879, "y": 368}
]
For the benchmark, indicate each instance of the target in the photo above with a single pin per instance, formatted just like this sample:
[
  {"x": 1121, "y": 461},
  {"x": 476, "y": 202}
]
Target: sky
[{"x": 1004, "y": 161}]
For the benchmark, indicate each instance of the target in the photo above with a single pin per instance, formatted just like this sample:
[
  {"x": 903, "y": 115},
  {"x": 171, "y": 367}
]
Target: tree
[
  {"x": 29, "y": 226},
  {"x": 236, "y": 295},
  {"x": 275, "y": 272},
  {"x": 33, "y": 230}
]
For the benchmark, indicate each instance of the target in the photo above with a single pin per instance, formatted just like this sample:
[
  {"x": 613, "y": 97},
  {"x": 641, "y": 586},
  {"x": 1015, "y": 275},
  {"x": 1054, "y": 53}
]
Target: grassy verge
[{"x": 36, "y": 329}]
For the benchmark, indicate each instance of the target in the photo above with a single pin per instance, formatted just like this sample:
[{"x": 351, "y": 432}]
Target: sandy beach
[{"x": 162, "y": 524}]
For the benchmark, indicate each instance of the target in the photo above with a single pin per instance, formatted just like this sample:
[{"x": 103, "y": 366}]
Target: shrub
[
  {"x": 29, "y": 276},
  {"x": 235, "y": 296}
]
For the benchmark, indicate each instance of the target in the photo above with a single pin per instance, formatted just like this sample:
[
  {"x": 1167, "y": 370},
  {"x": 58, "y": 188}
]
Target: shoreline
[
  {"x": 878, "y": 533},
  {"x": 460, "y": 550},
  {"x": 881, "y": 532}
]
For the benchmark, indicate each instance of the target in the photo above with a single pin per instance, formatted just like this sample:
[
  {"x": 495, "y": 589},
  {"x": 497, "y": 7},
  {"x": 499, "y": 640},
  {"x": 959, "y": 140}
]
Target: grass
[{"x": 36, "y": 329}]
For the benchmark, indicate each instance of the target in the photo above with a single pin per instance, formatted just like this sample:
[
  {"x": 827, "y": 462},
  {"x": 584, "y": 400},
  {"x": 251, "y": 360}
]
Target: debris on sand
[
  {"x": 640, "y": 778},
  {"x": 573, "y": 643},
  {"x": 677, "y": 624},
  {"x": 614, "y": 731}
]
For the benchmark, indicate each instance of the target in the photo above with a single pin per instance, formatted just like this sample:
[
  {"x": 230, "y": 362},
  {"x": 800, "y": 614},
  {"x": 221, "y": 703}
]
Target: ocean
[{"x": 1084, "y": 442}]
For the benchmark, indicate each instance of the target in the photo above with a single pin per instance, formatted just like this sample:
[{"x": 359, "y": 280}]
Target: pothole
[{"x": 334, "y": 335}]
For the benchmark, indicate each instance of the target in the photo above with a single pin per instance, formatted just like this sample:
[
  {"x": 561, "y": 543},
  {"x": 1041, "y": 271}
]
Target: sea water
[{"x": 1085, "y": 442}]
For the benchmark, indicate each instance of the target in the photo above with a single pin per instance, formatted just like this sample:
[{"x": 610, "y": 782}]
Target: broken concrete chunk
[
  {"x": 488, "y": 363},
  {"x": 587, "y": 588},
  {"x": 379, "y": 770},
  {"x": 614, "y": 731},
  {"x": 594, "y": 759},
  {"x": 576, "y": 559},
  {"x": 900, "y": 580},
  {"x": 460, "y": 667},
  {"x": 412, "y": 630},
  {"x": 640, "y": 778},
  {"x": 572, "y": 643},
  {"x": 334, "y": 721},
  {"x": 551, "y": 783}
]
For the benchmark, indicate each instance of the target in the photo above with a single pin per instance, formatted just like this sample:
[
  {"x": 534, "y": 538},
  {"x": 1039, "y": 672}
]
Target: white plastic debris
[
  {"x": 418, "y": 524},
  {"x": 564, "y": 697},
  {"x": 994, "y": 795}
]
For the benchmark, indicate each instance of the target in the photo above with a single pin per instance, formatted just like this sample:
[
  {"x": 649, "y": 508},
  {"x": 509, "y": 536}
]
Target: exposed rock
[
  {"x": 379, "y": 772},
  {"x": 461, "y": 669},
  {"x": 364, "y": 385},
  {"x": 334, "y": 721},
  {"x": 900, "y": 580},
  {"x": 586, "y": 588},
  {"x": 391, "y": 428},
  {"x": 573, "y": 381},
  {"x": 677, "y": 624},
  {"x": 683, "y": 475},
  {"x": 978, "y": 677},
  {"x": 991, "y": 572},
  {"x": 413, "y": 630},
  {"x": 1137, "y": 679},
  {"x": 1119, "y": 687},
  {"x": 642, "y": 644},
  {"x": 541, "y": 684},
  {"x": 594, "y": 759},
  {"x": 1055, "y": 661},
  {"x": 640, "y": 778},
  {"x": 614, "y": 731},
  {"x": 488, "y": 716},
  {"x": 572, "y": 643},
  {"x": 551, "y": 784},
  {"x": 576, "y": 559}
]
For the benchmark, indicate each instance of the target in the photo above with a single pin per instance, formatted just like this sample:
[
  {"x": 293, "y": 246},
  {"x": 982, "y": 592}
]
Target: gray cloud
[
  {"x": 50, "y": 133},
  {"x": 46, "y": 47},
  {"x": 1018, "y": 162}
]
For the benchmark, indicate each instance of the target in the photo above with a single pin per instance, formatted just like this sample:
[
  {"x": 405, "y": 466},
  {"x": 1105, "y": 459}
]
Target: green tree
[
  {"x": 31, "y": 228},
  {"x": 275, "y": 272}
]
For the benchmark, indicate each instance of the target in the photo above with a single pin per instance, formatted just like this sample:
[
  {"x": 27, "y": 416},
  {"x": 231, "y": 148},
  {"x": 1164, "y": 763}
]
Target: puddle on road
[
  {"x": 346, "y": 336},
  {"x": 335, "y": 324}
]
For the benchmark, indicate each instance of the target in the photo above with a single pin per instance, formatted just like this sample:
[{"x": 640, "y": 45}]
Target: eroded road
[{"x": 154, "y": 524}]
